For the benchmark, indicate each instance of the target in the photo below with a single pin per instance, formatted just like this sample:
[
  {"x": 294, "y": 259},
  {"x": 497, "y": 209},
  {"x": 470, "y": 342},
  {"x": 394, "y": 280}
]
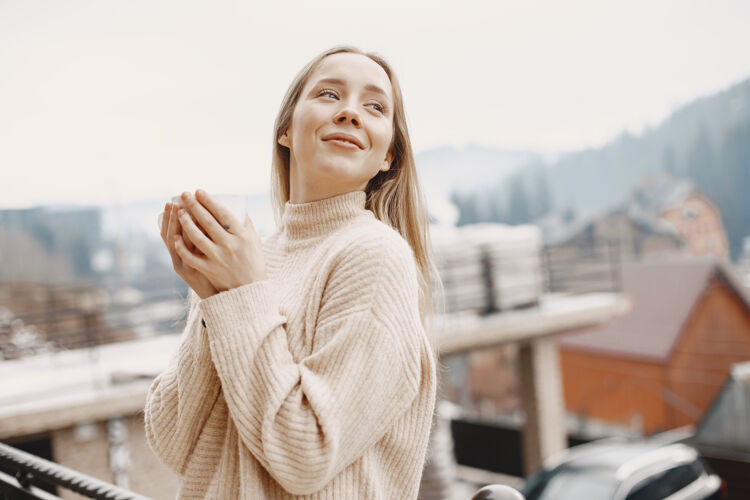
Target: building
[
  {"x": 678, "y": 202},
  {"x": 660, "y": 366},
  {"x": 49, "y": 245},
  {"x": 83, "y": 409},
  {"x": 663, "y": 215}
]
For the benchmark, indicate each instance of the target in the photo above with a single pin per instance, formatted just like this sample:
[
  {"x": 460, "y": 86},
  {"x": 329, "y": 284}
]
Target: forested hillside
[{"x": 707, "y": 141}]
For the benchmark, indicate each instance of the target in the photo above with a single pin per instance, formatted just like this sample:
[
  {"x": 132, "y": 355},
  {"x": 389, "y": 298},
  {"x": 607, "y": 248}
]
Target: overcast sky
[{"x": 107, "y": 102}]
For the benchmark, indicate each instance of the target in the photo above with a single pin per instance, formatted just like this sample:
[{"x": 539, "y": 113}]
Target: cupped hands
[{"x": 211, "y": 249}]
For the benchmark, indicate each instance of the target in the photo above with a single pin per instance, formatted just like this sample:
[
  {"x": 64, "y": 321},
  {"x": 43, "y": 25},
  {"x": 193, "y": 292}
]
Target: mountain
[
  {"x": 595, "y": 179},
  {"x": 707, "y": 141}
]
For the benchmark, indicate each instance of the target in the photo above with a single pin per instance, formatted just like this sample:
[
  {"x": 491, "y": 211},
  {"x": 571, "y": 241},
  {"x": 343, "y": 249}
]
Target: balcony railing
[{"x": 22, "y": 475}]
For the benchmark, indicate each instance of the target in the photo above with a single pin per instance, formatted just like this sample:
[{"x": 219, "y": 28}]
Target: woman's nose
[{"x": 348, "y": 114}]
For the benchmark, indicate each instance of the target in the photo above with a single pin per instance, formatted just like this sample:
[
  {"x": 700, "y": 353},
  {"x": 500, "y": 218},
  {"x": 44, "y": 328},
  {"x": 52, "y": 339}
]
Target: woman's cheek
[
  {"x": 384, "y": 141},
  {"x": 305, "y": 143}
]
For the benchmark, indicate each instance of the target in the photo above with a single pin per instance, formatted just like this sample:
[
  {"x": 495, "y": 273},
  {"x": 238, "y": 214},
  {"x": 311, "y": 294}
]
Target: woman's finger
[
  {"x": 175, "y": 207},
  {"x": 188, "y": 257},
  {"x": 206, "y": 219},
  {"x": 221, "y": 213},
  {"x": 169, "y": 235},
  {"x": 164, "y": 221},
  {"x": 172, "y": 226},
  {"x": 192, "y": 231}
]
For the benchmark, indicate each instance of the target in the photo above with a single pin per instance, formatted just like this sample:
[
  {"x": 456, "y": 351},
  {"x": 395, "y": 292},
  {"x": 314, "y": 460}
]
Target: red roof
[{"x": 663, "y": 294}]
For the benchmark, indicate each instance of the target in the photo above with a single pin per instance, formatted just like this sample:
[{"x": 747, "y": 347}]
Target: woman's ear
[
  {"x": 387, "y": 162},
  {"x": 284, "y": 140}
]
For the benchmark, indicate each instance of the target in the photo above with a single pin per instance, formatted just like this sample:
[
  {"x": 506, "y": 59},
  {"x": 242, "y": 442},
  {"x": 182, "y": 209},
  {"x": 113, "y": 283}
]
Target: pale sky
[{"x": 113, "y": 101}]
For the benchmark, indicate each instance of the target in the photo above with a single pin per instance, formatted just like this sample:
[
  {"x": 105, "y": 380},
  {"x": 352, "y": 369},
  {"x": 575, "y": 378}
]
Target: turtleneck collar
[{"x": 320, "y": 217}]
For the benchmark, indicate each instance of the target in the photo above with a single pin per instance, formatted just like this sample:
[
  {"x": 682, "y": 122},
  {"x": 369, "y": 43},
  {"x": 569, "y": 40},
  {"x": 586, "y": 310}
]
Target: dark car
[{"x": 621, "y": 469}]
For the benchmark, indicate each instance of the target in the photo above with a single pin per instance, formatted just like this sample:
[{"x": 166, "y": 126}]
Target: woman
[{"x": 304, "y": 368}]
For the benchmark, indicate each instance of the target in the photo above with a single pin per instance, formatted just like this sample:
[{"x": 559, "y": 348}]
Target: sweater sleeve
[
  {"x": 180, "y": 399},
  {"x": 306, "y": 420}
]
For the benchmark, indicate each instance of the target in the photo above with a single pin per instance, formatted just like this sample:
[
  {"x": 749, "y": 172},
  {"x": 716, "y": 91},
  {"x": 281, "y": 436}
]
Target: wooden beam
[
  {"x": 541, "y": 394},
  {"x": 554, "y": 316}
]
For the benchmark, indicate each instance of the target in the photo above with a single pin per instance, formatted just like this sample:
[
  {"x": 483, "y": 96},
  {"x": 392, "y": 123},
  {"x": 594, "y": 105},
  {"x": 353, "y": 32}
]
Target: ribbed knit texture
[{"x": 318, "y": 382}]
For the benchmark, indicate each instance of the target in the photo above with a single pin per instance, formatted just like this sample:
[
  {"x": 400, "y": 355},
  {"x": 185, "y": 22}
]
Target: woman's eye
[
  {"x": 379, "y": 107},
  {"x": 329, "y": 92}
]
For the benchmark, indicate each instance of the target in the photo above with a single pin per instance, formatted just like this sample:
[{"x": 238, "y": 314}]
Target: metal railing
[
  {"x": 22, "y": 474},
  {"x": 61, "y": 321},
  {"x": 597, "y": 268},
  {"x": 485, "y": 280}
]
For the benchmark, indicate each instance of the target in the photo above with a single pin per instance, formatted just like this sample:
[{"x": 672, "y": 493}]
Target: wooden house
[{"x": 660, "y": 366}]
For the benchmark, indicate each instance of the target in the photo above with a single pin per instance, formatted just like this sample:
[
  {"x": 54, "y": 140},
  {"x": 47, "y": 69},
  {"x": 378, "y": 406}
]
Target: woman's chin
[
  {"x": 337, "y": 170},
  {"x": 338, "y": 167}
]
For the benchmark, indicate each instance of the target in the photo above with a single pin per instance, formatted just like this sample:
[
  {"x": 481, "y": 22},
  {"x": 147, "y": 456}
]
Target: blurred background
[{"x": 586, "y": 166}]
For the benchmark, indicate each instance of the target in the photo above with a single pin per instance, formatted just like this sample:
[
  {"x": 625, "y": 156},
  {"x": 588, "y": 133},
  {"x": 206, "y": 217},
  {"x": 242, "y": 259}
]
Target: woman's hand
[
  {"x": 232, "y": 251},
  {"x": 170, "y": 230}
]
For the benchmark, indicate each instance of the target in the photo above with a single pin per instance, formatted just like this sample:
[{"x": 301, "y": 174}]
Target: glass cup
[{"x": 235, "y": 203}]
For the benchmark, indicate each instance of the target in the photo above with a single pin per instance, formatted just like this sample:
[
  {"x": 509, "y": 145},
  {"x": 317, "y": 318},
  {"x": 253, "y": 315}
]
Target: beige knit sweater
[{"x": 318, "y": 382}]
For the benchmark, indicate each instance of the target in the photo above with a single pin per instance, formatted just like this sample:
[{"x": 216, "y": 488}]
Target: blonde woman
[{"x": 305, "y": 369}]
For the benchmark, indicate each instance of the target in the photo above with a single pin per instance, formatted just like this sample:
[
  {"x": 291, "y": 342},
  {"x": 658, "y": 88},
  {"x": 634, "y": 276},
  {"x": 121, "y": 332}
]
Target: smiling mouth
[{"x": 343, "y": 144}]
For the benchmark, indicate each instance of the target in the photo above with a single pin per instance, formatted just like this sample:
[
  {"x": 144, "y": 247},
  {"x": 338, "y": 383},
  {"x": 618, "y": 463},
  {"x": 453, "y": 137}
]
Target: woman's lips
[{"x": 343, "y": 144}]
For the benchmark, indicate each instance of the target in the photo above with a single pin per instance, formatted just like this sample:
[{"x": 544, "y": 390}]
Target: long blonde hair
[{"x": 394, "y": 196}]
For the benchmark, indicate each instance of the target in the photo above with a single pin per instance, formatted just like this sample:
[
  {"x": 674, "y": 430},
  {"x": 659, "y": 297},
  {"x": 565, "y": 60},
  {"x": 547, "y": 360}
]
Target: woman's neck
[{"x": 320, "y": 217}]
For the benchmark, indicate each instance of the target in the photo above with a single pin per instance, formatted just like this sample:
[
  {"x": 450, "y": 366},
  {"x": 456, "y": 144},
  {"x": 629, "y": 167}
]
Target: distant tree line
[
  {"x": 723, "y": 173},
  {"x": 519, "y": 204}
]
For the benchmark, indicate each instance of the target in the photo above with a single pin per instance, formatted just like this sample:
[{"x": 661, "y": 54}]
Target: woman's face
[{"x": 341, "y": 128}]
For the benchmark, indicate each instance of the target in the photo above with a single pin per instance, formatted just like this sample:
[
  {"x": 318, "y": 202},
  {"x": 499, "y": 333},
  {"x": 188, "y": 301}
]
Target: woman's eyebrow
[{"x": 369, "y": 86}]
